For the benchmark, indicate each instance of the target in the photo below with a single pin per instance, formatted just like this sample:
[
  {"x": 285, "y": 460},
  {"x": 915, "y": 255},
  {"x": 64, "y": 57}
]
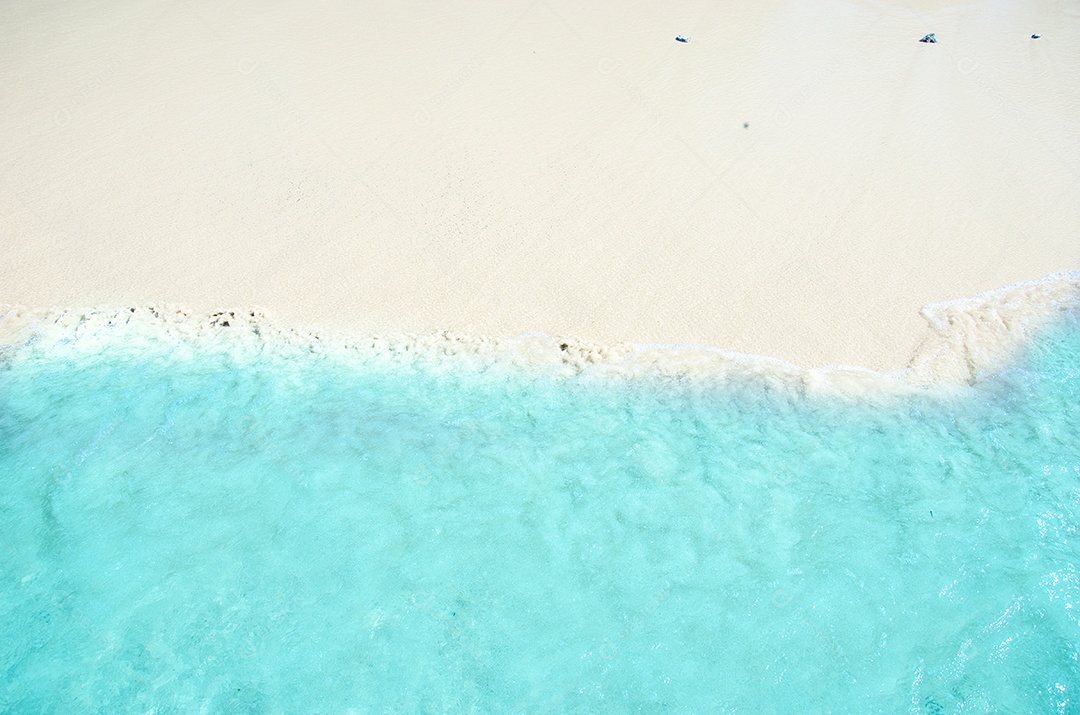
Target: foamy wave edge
[{"x": 967, "y": 340}]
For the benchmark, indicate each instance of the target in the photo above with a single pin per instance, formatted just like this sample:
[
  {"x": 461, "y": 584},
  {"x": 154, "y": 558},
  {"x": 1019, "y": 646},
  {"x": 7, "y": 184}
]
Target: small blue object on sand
[
  {"x": 682, "y": 38},
  {"x": 1036, "y": 36},
  {"x": 929, "y": 38}
]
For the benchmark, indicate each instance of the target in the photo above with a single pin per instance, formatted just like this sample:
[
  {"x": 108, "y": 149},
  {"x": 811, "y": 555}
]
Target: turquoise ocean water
[{"x": 307, "y": 536}]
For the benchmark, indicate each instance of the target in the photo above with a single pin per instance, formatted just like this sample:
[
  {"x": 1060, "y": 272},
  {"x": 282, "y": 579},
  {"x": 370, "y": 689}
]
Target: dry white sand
[{"x": 796, "y": 181}]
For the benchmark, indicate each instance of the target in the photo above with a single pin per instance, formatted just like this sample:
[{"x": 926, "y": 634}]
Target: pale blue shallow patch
[{"x": 302, "y": 536}]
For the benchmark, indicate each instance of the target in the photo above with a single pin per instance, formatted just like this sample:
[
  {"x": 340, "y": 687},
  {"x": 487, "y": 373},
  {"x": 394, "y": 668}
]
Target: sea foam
[{"x": 967, "y": 339}]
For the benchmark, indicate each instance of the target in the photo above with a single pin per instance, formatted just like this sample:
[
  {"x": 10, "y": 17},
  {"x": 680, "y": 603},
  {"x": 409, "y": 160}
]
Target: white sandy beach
[{"x": 797, "y": 181}]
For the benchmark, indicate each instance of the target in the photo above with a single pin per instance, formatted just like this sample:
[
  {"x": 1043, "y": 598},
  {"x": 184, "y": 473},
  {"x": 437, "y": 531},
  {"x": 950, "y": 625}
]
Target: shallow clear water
[{"x": 304, "y": 536}]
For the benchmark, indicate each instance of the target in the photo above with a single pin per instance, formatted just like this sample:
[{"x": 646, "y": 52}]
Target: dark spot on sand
[
  {"x": 746, "y": 125},
  {"x": 564, "y": 346},
  {"x": 224, "y": 323}
]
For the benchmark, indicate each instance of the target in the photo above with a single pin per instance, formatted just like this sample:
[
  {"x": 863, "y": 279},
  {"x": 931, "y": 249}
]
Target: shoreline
[{"x": 966, "y": 340}]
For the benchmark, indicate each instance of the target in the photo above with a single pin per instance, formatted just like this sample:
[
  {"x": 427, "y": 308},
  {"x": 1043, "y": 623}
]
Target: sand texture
[{"x": 796, "y": 182}]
